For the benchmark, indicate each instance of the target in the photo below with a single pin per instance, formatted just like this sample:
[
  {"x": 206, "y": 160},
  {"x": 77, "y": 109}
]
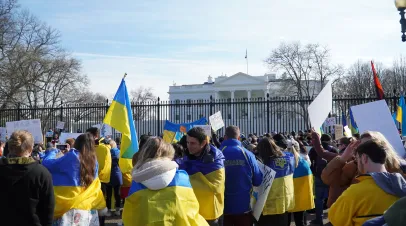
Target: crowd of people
[{"x": 203, "y": 181}]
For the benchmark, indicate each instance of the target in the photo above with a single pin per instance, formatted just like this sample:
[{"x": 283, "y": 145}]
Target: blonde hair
[
  {"x": 21, "y": 143},
  {"x": 392, "y": 163},
  {"x": 154, "y": 148},
  {"x": 295, "y": 151},
  {"x": 113, "y": 144}
]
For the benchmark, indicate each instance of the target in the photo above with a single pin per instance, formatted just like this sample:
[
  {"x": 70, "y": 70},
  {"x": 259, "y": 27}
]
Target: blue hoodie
[{"x": 242, "y": 173}]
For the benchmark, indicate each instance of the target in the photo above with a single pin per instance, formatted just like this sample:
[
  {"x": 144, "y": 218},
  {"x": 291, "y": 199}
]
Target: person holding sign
[
  {"x": 205, "y": 165},
  {"x": 242, "y": 173},
  {"x": 281, "y": 196}
]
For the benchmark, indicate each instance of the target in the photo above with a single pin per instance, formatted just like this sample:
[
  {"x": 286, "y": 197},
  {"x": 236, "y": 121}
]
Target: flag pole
[
  {"x": 125, "y": 75},
  {"x": 246, "y": 58}
]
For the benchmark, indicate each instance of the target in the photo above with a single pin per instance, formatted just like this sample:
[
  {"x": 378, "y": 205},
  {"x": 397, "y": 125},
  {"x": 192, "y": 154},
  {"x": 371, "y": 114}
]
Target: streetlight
[{"x": 401, "y": 6}]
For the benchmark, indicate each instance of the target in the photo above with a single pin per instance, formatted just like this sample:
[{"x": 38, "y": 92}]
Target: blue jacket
[
  {"x": 242, "y": 172},
  {"x": 116, "y": 177}
]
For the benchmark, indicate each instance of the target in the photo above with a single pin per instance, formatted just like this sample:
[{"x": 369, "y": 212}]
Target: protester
[
  {"x": 281, "y": 196},
  {"x": 394, "y": 216},
  {"x": 26, "y": 186},
  {"x": 376, "y": 190},
  {"x": 161, "y": 194},
  {"x": 116, "y": 180},
  {"x": 179, "y": 151},
  {"x": 205, "y": 165},
  {"x": 343, "y": 144},
  {"x": 70, "y": 143},
  {"x": 76, "y": 184},
  {"x": 242, "y": 173}
]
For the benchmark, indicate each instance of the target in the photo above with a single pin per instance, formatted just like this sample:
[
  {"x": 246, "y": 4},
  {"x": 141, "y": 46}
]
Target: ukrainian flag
[
  {"x": 174, "y": 132},
  {"x": 69, "y": 194},
  {"x": 119, "y": 116},
  {"x": 353, "y": 125},
  {"x": 174, "y": 205},
  {"x": 303, "y": 184},
  {"x": 400, "y": 117}
]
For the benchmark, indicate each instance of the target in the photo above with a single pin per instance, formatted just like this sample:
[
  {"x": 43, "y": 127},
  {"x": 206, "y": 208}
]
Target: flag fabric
[
  {"x": 394, "y": 116},
  {"x": 378, "y": 86},
  {"x": 246, "y": 53},
  {"x": 353, "y": 126},
  {"x": 119, "y": 116},
  {"x": 400, "y": 117},
  {"x": 174, "y": 132},
  {"x": 69, "y": 193},
  {"x": 344, "y": 120},
  {"x": 303, "y": 184}
]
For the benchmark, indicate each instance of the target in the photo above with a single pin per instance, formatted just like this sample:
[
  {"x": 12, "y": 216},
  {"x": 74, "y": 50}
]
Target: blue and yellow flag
[
  {"x": 119, "y": 116},
  {"x": 303, "y": 184},
  {"x": 69, "y": 194},
  {"x": 400, "y": 117},
  {"x": 174, "y": 132},
  {"x": 353, "y": 125},
  {"x": 174, "y": 205}
]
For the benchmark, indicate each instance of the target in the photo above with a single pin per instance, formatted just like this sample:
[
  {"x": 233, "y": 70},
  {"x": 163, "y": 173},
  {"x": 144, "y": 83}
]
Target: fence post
[
  {"x": 159, "y": 117},
  {"x": 61, "y": 118},
  {"x": 18, "y": 112},
  {"x": 211, "y": 105},
  {"x": 267, "y": 113}
]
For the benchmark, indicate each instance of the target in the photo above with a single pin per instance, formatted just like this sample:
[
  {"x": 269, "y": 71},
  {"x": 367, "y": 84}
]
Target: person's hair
[
  {"x": 118, "y": 140},
  {"x": 325, "y": 138},
  {"x": 267, "y": 150},
  {"x": 94, "y": 131},
  {"x": 113, "y": 144},
  {"x": 198, "y": 133},
  {"x": 135, "y": 158},
  {"x": 295, "y": 151},
  {"x": 179, "y": 150},
  {"x": 232, "y": 132},
  {"x": 183, "y": 142},
  {"x": 280, "y": 141},
  {"x": 70, "y": 141},
  {"x": 154, "y": 148},
  {"x": 143, "y": 139},
  {"x": 302, "y": 148},
  {"x": 87, "y": 158},
  {"x": 268, "y": 135},
  {"x": 345, "y": 140},
  {"x": 376, "y": 150},
  {"x": 356, "y": 136},
  {"x": 20, "y": 143},
  {"x": 392, "y": 163}
]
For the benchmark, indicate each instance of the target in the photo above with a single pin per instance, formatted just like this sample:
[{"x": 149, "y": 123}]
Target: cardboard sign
[
  {"x": 64, "y": 136},
  {"x": 262, "y": 191},
  {"x": 339, "y": 131},
  {"x": 3, "y": 134},
  {"x": 321, "y": 106},
  {"x": 216, "y": 121},
  {"x": 375, "y": 116},
  {"x": 60, "y": 125},
  {"x": 33, "y": 126},
  {"x": 206, "y": 128}
]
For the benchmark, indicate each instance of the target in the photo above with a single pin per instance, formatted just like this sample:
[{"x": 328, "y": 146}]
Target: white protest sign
[
  {"x": 3, "y": 134},
  {"x": 339, "y": 131},
  {"x": 216, "y": 121},
  {"x": 105, "y": 130},
  {"x": 375, "y": 116},
  {"x": 348, "y": 132},
  {"x": 64, "y": 136},
  {"x": 263, "y": 190},
  {"x": 33, "y": 126},
  {"x": 321, "y": 106},
  {"x": 206, "y": 128},
  {"x": 60, "y": 125},
  {"x": 330, "y": 122},
  {"x": 49, "y": 134}
]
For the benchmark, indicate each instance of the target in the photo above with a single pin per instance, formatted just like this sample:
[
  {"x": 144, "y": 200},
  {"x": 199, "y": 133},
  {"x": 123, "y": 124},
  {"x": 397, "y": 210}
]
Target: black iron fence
[{"x": 260, "y": 115}]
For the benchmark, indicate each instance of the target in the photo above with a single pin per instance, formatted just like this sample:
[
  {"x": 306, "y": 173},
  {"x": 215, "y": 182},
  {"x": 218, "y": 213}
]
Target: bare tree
[{"x": 143, "y": 97}]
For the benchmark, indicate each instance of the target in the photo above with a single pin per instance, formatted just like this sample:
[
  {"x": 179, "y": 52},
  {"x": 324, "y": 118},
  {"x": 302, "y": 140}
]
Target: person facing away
[
  {"x": 78, "y": 196},
  {"x": 26, "y": 186},
  {"x": 281, "y": 196},
  {"x": 160, "y": 194},
  {"x": 205, "y": 165},
  {"x": 242, "y": 173},
  {"x": 376, "y": 191},
  {"x": 103, "y": 155},
  {"x": 116, "y": 180}
]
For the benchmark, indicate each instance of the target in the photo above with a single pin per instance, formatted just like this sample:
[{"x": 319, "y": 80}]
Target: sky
[{"x": 161, "y": 42}]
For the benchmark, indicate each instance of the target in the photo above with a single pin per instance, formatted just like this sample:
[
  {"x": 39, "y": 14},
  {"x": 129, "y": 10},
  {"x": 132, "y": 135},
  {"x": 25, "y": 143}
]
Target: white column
[
  {"x": 216, "y": 95},
  {"x": 265, "y": 93},
  {"x": 232, "y": 95},
  {"x": 249, "y": 105}
]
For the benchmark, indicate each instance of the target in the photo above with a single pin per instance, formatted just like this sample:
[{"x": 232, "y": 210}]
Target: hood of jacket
[
  {"x": 13, "y": 169},
  {"x": 156, "y": 174},
  {"x": 396, "y": 214},
  {"x": 391, "y": 183}
]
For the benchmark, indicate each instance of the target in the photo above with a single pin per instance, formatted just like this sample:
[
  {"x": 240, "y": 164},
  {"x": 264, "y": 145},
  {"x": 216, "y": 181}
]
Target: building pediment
[{"x": 239, "y": 79}]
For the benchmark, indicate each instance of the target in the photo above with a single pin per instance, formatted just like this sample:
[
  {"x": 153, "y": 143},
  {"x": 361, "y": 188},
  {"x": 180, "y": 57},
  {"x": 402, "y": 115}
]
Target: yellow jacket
[
  {"x": 104, "y": 159},
  {"x": 360, "y": 202}
]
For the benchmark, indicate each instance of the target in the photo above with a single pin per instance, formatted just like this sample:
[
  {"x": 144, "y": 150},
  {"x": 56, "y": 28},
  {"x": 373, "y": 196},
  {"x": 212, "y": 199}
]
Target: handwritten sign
[
  {"x": 263, "y": 190},
  {"x": 206, "y": 128},
  {"x": 64, "y": 136},
  {"x": 3, "y": 134},
  {"x": 33, "y": 126},
  {"x": 339, "y": 133},
  {"x": 60, "y": 125},
  {"x": 216, "y": 121}
]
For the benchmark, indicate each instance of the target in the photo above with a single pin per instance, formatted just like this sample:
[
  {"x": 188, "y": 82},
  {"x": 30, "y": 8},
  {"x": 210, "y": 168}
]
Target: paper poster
[
  {"x": 375, "y": 116},
  {"x": 49, "y": 134},
  {"x": 64, "y": 136},
  {"x": 339, "y": 131},
  {"x": 330, "y": 121},
  {"x": 320, "y": 107},
  {"x": 261, "y": 192},
  {"x": 216, "y": 121},
  {"x": 3, "y": 134},
  {"x": 206, "y": 128},
  {"x": 33, "y": 126},
  {"x": 105, "y": 130},
  {"x": 60, "y": 125}
]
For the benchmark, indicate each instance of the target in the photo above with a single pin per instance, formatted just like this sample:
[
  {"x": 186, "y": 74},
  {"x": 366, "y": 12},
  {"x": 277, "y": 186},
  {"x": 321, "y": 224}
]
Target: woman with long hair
[
  {"x": 281, "y": 196},
  {"x": 78, "y": 195},
  {"x": 160, "y": 193}
]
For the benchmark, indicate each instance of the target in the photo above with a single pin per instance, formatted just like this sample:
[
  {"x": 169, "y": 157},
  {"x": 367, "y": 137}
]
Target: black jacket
[{"x": 27, "y": 195}]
